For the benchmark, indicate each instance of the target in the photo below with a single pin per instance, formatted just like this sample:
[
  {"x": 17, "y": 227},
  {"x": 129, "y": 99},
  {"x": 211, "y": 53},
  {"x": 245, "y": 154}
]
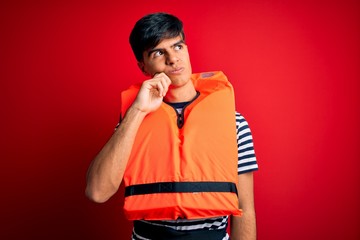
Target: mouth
[{"x": 176, "y": 71}]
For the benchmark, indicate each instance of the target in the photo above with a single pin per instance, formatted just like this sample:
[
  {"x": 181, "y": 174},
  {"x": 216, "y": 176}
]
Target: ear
[{"x": 141, "y": 65}]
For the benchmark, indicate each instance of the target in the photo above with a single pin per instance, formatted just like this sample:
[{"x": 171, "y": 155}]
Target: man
[{"x": 175, "y": 146}]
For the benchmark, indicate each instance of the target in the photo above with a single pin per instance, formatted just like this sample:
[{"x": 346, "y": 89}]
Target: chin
[{"x": 179, "y": 81}]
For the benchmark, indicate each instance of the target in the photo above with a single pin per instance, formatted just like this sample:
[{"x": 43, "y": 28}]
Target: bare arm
[
  {"x": 244, "y": 228},
  {"x": 107, "y": 169}
]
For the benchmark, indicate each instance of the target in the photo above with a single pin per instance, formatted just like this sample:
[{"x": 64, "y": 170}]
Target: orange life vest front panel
[{"x": 188, "y": 172}]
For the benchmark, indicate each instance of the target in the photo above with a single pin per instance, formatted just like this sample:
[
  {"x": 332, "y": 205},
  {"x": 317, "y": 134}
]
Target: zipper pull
[{"x": 180, "y": 119}]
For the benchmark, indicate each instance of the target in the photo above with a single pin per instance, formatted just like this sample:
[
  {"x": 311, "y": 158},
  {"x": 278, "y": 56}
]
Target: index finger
[{"x": 157, "y": 73}]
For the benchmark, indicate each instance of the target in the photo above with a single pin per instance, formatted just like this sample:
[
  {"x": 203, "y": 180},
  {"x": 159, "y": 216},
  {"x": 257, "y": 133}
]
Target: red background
[{"x": 295, "y": 68}]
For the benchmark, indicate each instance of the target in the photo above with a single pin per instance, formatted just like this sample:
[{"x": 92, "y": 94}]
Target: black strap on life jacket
[{"x": 180, "y": 187}]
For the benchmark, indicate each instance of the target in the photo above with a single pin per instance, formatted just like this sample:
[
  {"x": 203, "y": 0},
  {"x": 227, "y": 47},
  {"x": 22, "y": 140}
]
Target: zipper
[{"x": 180, "y": 116}]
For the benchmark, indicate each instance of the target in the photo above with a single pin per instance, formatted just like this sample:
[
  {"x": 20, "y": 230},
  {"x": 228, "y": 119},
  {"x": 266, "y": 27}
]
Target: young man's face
[{"x": 171, "y": 57}]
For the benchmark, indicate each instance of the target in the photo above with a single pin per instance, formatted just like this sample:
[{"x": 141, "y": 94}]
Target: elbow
[{"x": 96, "y": 195}]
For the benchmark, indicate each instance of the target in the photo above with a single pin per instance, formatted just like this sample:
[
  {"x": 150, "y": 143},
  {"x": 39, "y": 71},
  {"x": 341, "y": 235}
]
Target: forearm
[
  {"x": 107, "y": 169},
  {"x": 244, "y": 227}
]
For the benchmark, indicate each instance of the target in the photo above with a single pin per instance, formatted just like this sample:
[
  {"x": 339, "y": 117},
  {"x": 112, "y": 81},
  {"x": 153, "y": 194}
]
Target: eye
[
  {"x": 178, "y": 47},
  {"x": 158, "y": 54}
]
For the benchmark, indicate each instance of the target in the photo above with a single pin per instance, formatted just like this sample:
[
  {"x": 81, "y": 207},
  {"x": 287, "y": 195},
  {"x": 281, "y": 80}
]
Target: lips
[{"x": 176, "y": 71}]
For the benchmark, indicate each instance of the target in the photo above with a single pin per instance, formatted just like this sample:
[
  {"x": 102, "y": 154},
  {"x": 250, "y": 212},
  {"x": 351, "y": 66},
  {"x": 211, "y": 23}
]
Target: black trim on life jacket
[
  {"x": 179, "y": 187},
  {"x": 180, "y": 116}
]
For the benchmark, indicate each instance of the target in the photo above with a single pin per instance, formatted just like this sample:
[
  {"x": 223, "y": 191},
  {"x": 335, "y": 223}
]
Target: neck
[{"x": 180, "y": 94}]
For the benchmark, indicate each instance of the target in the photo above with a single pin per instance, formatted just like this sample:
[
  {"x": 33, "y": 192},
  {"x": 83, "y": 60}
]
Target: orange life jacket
[{"x": 188, "y": 172}]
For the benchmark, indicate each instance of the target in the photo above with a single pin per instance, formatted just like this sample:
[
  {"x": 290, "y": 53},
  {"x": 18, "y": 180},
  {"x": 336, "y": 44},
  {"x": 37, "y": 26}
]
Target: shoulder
[{"x": 241, "y": 122}]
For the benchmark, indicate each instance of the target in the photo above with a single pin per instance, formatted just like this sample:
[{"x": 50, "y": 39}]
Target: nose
[{"x": 171, "y": 58}]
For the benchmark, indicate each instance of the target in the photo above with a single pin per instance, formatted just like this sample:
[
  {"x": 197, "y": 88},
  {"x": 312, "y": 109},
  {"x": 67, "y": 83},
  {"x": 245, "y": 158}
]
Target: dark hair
[{"x": 151, "y": 29}]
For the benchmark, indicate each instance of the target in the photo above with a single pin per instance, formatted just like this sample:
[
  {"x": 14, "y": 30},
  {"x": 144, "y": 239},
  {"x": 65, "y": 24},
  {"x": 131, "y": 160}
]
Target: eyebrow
[{"x": 158, "y": 49}]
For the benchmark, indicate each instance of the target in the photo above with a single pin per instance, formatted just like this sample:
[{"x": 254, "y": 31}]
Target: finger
[
  {"x": 155, "y": 84},
  {"x": 160, "y": 88},
  {"x": 155, "y": 74},
  {"x": 165, "y": 81}
]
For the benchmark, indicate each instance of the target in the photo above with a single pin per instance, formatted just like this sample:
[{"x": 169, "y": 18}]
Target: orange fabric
[{"x": 204, "y": 149}]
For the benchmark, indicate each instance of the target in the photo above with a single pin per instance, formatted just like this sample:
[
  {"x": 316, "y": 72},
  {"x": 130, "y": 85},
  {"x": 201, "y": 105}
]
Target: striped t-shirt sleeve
[{"x": 246, "y": 154}]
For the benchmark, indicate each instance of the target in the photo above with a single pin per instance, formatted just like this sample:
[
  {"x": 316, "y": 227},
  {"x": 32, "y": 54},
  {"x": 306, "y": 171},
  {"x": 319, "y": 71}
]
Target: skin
[
  {"x": 171, "y": 59},
  {"x": 168, "y": 65},
  {"x": 244, "y": 227}
]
